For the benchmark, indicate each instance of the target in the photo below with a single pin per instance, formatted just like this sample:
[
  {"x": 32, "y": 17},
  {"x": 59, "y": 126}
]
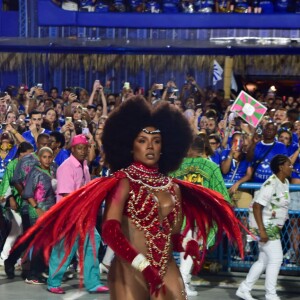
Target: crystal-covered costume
[{"x": 150, "y": 225}]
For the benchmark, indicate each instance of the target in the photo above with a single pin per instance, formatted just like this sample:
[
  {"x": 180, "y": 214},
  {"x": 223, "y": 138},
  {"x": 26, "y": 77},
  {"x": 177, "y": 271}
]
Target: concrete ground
[{"x": 210, "y": 287}]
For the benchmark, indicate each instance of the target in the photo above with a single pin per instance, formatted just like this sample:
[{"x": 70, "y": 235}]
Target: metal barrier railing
[{"x": 290, "y": 239}]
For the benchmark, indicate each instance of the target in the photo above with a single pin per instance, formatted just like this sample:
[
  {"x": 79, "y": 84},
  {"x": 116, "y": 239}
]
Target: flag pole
[{"x": 227, "y": 76}]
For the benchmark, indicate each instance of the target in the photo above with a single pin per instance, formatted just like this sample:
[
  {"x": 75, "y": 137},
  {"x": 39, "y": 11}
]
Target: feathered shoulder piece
[
  {"x": 75, "y": 216},
  {"x": 205, "y": 208}
]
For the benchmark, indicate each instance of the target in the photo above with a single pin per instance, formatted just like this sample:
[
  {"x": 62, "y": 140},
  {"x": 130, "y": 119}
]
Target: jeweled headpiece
[{"x": 150, "y": 132}]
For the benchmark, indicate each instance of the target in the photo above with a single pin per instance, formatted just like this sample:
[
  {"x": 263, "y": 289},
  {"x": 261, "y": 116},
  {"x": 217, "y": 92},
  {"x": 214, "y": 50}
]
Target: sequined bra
[{"x": 142, "y": 208}]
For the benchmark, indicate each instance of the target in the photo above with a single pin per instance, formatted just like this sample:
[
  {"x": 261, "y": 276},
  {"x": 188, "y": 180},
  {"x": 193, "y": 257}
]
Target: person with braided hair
[
  {"x": 268, "y": 212},
  {"x": 144, "y": 207}
]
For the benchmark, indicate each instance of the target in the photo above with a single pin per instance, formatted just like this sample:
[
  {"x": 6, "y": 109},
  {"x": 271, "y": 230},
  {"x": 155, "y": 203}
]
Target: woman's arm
[
  {"x": 16, "y": 134},
  {"x": 104, "y": 102},
  {"x": 257, "y": 212},
  {"x": 29, "y": 191},
  {"x": 295, "y": 155},
  {"x": 92, "y": 149},
  {"x": 246, "y": 178},
  {"x": 226, "y": 164}
]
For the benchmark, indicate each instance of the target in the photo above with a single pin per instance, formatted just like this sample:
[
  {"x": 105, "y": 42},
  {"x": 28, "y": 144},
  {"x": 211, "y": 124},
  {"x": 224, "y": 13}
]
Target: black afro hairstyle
[{"x": 127, "y": 121}]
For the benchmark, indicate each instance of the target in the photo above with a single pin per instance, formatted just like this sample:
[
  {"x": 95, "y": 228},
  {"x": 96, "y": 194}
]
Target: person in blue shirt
[
  {"x": 35, "y": 128},
  {"x": 264, "y": 151},
  {"x": 57, "y": 140},
  {"x": 267, "y": 6},
  {"x": 234, "y": 165},
  {"x": 285, "y": 136},
  {"x": 215, "y": 144}
]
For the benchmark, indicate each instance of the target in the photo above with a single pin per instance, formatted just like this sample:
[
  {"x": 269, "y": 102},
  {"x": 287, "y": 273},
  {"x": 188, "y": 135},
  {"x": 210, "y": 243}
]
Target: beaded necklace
[{"x": 142, "y": 208}]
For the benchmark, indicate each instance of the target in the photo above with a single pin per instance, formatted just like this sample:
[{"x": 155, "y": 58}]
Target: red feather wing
[
  {"x": 203, "y": 208},
  {"x": 75, "y": 216}
]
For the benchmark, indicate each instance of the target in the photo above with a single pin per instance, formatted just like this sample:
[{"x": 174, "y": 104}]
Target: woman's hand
[
  {"x": 39, "y": 212},
  {"x": 13, "y": 204},
  {"x": 234, "y": 188},
  {"x": 198, "y": 112},
  {"x": 154, "y": 280},
  {"x": 72, "y": 97},
  {"x": 192, "y": 249},
  {"x": 96, "y": 85},
  {"x": 263, "y": 236},
  {"x": 222, "y": 125},
  {"x": 9, "y": 128}
]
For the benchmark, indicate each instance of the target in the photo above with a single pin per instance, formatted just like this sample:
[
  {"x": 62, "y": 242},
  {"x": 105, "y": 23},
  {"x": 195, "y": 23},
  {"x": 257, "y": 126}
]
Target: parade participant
[
  {"x": 23, "y": 168},
  {"x": 10, "y": 195},
  {"x": 72, "y": 174},
  {"x": 8, "y": 150},
  {"x": 144, "y": 207},
  {"x": 267, "y": 215},
  {"x": 39, "y": 192},
  {"x": 197, "y": 169},
  {"x": 264, "y": 151}
]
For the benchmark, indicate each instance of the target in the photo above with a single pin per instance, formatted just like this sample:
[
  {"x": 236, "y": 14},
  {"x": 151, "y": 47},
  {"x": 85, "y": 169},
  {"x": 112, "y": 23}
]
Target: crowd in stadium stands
[
  {"x": 33, "y": 119},
  {"x": 184, "y": 6}
]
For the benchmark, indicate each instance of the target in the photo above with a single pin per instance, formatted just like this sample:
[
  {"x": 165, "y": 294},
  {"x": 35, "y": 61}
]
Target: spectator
[
  {"x": 68, "y": 130},
  {"x": 35, "y": 128},
  {"x": 58, "y": 106},
  {"x": 77, "y": 113},
  {"x": 60, "y": 154},
  {"x": 51, "y": 117},
  {"x": 280, "y": 116},
  {"x": 92, "y": 109},
  {"x": 10, "y": 117},
  {"x": 264, "y": 151},
  {"x": 84, "y": 96},
  {"x": 54, "y": 93},
  {"x": 235, "y": 168},
  {"x": 215, "y": 144},
  {"x": 285, "y": 136}
]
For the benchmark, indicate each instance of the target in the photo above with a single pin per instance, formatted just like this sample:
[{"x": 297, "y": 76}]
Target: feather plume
[
  {"x": 205, "y": 208},
  {"x": 74, "y": 217}
]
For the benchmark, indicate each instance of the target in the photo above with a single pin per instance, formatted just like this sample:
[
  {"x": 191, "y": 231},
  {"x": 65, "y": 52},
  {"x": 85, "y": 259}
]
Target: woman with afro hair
[{"x": 144, "y": 207}]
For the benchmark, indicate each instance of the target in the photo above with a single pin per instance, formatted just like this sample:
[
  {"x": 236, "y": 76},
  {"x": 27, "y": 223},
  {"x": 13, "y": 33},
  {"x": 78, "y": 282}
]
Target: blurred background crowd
[{"x": 184, "y": 6}]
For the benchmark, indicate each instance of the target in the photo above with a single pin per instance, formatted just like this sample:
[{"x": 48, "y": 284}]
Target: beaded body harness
[{"x": 142, "y": 208}]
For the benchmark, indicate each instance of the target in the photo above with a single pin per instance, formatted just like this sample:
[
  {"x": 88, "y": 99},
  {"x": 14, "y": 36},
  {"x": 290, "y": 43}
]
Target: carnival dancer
[
  {"x": 197, "y": 169},
  {"x": 144, "y": 207}
]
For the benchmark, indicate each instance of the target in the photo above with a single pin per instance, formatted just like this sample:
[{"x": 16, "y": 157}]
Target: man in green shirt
[{"x": 199, "y": 170}]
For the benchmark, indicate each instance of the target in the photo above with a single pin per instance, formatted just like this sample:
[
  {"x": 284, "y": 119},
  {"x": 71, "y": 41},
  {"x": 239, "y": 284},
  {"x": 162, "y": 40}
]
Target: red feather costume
[{"x": 75, "y": 216}]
